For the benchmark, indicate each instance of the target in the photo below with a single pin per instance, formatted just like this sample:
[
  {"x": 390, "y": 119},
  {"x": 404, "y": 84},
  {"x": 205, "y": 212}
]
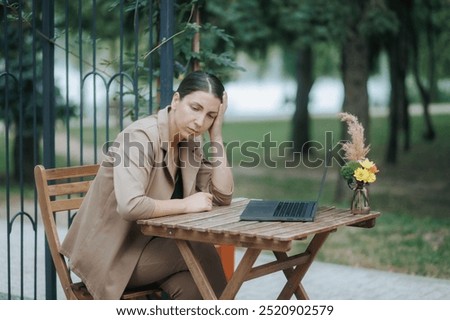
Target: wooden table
[{"x": 222, "y": 226}]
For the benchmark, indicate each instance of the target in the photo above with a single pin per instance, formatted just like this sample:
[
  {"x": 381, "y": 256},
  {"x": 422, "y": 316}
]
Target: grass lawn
[{"x": 412, "y": 235}]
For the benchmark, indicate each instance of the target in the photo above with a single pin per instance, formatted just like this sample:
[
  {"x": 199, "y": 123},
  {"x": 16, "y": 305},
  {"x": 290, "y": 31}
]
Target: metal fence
[{"x": 72, "y": 74}]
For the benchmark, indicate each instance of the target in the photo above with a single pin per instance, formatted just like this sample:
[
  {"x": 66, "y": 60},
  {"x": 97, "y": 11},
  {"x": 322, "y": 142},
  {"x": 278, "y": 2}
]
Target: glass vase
[{"x": 360, "y": 200}]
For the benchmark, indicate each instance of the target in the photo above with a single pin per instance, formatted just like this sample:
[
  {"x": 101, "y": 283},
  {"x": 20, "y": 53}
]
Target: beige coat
[{"x": 104, "y": 242}]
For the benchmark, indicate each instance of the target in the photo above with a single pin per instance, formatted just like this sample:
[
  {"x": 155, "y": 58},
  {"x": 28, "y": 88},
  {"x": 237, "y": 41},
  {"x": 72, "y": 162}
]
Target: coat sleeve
[
  {"x": 204, "y": 183},
  {"x": 132, "y": 172}
]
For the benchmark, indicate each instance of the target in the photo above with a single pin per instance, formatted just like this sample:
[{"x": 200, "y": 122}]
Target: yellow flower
[
  {"x": 371, "y": 178},
  {"x": 367, "y": 164},
  {"x": 361, "y": 174},
  {"x": 364, "y": 175}
]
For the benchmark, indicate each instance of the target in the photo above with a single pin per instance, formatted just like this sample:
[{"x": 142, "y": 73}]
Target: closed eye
[{"x": 196, "y": 107}]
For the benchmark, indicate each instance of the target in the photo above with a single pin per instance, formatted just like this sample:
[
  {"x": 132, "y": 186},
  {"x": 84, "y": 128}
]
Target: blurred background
[{"x": 75, "y": 73}]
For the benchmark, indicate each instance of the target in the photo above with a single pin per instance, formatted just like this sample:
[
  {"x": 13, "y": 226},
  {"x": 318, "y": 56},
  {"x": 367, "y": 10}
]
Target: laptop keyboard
[{"x": 292, "y": 209}]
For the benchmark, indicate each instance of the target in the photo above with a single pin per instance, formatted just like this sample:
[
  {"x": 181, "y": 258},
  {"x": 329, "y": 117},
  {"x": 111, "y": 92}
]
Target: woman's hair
[{"x": 201, "y": 81}]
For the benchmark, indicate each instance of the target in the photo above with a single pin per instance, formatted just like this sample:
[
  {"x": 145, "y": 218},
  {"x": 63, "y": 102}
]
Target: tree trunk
[
  {"x": 355, "y": 75},
  {"x": 301, "y": 118},
  {"x": 425, "y": 93},
  {"x": 398, "y": 106},
  {"x": 394, "y": 103}
]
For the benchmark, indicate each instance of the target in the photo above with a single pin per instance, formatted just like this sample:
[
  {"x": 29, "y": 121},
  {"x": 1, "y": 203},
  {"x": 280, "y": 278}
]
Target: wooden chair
[{"x": 61, "y": 190}]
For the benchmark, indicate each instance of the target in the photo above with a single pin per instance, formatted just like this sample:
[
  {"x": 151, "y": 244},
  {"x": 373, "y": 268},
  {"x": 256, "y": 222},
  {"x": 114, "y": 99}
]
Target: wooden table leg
[
  {"x": 239, "y": 276},
  {"x": 296, "y": 275},
  {"x": 196, "y": 270},
  {"x": 300, "y": 292}
]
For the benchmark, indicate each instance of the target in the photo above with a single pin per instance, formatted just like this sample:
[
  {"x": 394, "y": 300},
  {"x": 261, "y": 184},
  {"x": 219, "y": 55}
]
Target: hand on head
[{"x": 215, "y": 131}]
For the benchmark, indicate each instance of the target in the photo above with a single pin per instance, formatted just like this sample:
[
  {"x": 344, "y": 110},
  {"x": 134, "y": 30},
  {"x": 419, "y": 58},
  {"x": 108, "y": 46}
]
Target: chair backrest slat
[
  {"x": 66, "y": 204},
  {"x": 72, "y": 172},
  {"x": 63, "y": 189}
]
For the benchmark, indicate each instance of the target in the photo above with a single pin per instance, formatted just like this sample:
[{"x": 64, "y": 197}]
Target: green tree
[
  {"x": 259, "y": 25},
  {"x": 429, "y": 52},
  {"x": 300, "y": 28},
  {"x": 21, "y": 85},
  {"x": 420, "y": 48}
]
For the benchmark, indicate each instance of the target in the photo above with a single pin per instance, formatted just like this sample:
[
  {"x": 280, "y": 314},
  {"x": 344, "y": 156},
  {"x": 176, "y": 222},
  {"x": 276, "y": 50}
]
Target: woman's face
[{"x": 194, "y": 114}]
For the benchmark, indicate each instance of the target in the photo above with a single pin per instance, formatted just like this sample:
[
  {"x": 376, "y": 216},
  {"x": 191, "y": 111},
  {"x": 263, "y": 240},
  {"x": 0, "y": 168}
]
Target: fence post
[
  {"x": 167, "y": 55},
  {"x": 48, "y": 62}
]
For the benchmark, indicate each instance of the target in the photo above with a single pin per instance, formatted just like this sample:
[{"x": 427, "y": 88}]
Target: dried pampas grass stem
[{"x": 354, "y": 149}]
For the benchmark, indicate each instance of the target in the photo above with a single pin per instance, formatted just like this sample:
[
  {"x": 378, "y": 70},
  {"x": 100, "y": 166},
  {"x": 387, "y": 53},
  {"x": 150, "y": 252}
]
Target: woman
[{"x": 154, "y": 168}]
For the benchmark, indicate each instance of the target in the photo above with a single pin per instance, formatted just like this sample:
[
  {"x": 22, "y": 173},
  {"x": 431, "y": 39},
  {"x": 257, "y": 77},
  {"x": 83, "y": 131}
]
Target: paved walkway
[{"x": 325, "y": 281}]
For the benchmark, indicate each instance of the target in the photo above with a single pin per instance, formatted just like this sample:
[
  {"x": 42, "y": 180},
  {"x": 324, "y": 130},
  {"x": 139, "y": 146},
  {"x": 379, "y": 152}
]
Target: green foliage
[
  {"x": 348, "y": 169},
  {"x": 305, "y": 23},
  {"x": 379, "y": 22},
  {"x": 293, "y": 24},
  {"x": 248, "y": 21},
  {"x": 22, "y": 81},
  {"x": 219, "y": 62},
  {"x": 216, "y": 46}
]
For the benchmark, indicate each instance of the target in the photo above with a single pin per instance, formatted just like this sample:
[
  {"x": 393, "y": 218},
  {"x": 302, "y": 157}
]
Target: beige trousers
[{"x": 161, "y": 262}]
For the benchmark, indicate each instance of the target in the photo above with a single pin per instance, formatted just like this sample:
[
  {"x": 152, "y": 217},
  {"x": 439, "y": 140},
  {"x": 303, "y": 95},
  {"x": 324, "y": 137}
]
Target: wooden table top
[{"x": 223, "y": 226}]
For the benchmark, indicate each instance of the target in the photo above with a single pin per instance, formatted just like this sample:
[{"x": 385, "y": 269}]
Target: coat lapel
[
  {"x": 163, "y": 128},
  {"x": 190, "y": 153}
]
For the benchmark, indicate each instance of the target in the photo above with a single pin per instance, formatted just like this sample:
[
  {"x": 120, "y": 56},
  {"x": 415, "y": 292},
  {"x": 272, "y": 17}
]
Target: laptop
[{"x": 277, "y": 210}]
